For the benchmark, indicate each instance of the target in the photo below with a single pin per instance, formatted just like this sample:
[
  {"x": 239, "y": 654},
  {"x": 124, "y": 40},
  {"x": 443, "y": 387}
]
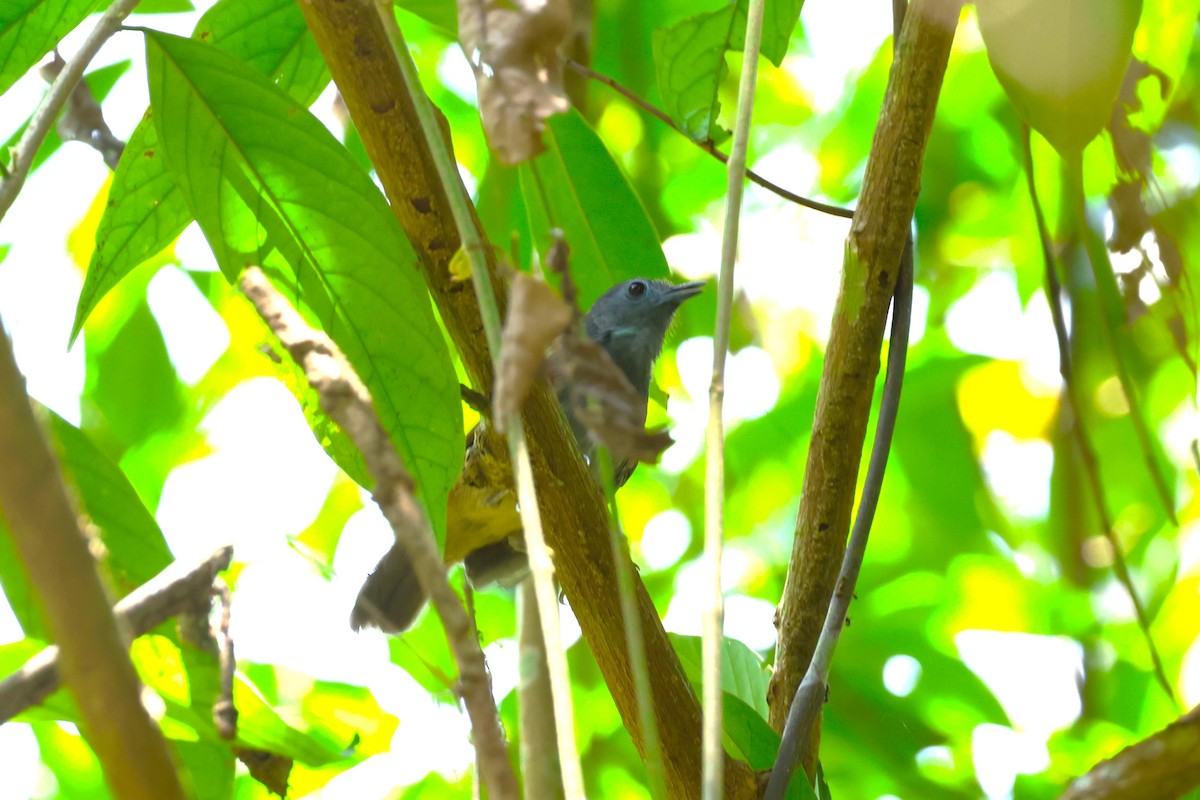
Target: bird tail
[{"x": 391, "y": 597}]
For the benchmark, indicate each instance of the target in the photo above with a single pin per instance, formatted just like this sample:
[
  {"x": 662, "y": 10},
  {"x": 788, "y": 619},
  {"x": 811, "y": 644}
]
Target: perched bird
[{"x": 630, "y": 322}]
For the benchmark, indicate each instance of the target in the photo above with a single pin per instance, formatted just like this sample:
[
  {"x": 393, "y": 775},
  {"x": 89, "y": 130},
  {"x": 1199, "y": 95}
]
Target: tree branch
[
  {"x": 93, "y": 660},
  {"x": 60, "y": 92},
  {"x": 1163, "y": 766},
  {"x": 347, "y": 402},
  {"x": 350, "y": 35},
  {"x": 707, "y": 145},
  {"x": 873, "y": 252},
  {"x": 166, "y": 595}
]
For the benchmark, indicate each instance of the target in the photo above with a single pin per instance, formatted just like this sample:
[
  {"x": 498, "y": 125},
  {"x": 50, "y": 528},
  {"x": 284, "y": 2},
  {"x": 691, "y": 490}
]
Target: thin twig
[
  {"x": 707, "y": 145},
  {"x": 1113, "y": 325},
  {"x": 539, "y": 741},
  {"x": 145, "y": 608},
  {"x": 634, "y": 642},
  {"x": 1078, "y": 429},
  {"x": 60, "y": 92},
  {"x": 714, "y": 473},
  {"x": 347, "y": 401},
  {"x": 539, "y": 556},
  {"x": 225, "y": 713},
  {"x": 811, "y": 692}
]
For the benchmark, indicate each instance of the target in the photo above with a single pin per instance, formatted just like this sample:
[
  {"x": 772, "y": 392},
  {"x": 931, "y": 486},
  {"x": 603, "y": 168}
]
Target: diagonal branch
[
  {"x": 169, "y": 593},
  {"x": 94, "y": 660},
  {"x": 873, "y": 252},
  {"x": 707, "y": 145},
  {"x": 346, "y": 401},
  {"x": 1163, "y": 766},
  {"x": 356, "y": 48}
]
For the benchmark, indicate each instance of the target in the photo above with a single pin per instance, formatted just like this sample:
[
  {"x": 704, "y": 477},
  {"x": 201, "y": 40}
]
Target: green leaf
[
  {"x": 136, "y": 549},
  {"x": 272, "y": 37},
  {"x": 77, "y": 772},
  {"x": 743, "y": 673},
  {"x": 210, "y": 767},
  {"x": 18, "y": 590},
  {"x": 744, "y": 679},
  {"x": 145, "y": 211},
  {"x": 270, "y": 186},
  {"x": 689, "y": 57},
  {"x": 576, "y": 186},
  {"x": 1061, "y": 62},
  {"x": 438, "y": 13},
  {"x": 163, "y": 7},
  {"x": 31, "y": 28},
  {"x": 752, "y": 737}
]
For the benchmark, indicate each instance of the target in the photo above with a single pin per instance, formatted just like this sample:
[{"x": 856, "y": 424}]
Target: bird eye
[{"x": 637, "y": 289}]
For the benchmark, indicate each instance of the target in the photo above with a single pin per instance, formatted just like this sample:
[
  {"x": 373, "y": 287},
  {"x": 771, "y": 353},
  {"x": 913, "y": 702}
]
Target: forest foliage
[{"x": 994, "y": 645}]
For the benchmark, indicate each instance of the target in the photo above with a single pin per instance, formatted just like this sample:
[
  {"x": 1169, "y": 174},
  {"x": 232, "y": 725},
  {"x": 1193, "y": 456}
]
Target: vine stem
[
  {"x": 714, "y": 479},
  {"x": 539, "y": 555}
]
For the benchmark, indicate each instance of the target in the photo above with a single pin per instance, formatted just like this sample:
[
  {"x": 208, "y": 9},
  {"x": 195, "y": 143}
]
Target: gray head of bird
[{"x": 631, "y": 319}]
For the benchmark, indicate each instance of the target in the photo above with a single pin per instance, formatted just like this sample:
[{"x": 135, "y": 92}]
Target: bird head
[{"x": 631, "y": 319}]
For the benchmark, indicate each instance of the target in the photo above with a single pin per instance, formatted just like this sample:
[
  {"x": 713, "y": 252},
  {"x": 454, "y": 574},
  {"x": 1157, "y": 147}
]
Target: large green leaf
[
  {"x": 744, "y": 679},
  {"x": 136, "y": 549},
  {"x": 689, "y": 57},
  {"x": 1060, "y": 61},
  {"x": 270, "y": 186},
  {"x": 145, "y": 211},
  {"x": 31, "y": 28},
  {"x": 577, "y": 187},
  {"x": 743, "y": 673},
  {"x": 14, "y": 580}
]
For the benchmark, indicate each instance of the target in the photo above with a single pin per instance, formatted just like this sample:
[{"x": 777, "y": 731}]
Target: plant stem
[
  {"x": 714, "y": 483},
  {"x": 633, "y": 633},
  {"x": 539, "y": 555}
]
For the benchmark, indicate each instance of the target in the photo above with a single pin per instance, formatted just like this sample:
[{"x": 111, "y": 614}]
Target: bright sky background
[{"x": 273, "y": 476}]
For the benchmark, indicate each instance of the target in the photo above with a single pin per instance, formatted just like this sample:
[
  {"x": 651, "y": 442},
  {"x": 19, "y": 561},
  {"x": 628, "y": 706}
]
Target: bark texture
[
  {"x": 871, "y": 264},
  {"x": 350, "y": 35}
]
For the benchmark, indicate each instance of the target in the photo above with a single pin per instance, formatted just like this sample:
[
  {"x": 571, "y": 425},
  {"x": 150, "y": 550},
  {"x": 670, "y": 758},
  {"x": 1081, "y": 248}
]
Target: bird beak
[{"x": 680, "y": 292}]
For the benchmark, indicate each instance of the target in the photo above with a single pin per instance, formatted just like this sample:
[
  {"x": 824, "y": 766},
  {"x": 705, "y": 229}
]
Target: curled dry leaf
[
  {"x": 605, "y": 403},
  {"x": 82, "y": 120},
  {"x": 536, "y": 316},
  {"x": 270, "y": 769},
  {"x": 514, "y": 46}
]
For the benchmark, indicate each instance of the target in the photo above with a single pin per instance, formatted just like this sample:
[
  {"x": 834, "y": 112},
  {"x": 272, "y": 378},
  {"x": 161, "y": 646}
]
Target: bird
[{"x": 630, "y": 321}]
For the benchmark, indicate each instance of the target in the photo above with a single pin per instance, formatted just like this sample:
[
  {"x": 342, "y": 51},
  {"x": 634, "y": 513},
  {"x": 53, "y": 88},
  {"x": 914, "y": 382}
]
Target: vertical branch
[
  {"x": 633, "y": 633},
  {"x": 714, "y": 473},
  {"x": 535, "y": 541},
  {"x": 870, "y": 267},
  {"x": 93, "y": 658},
  {"x": 350, "y": 34},
  {"x": 344, "y": 398},
  {"x": 798, "y": 738},
  {"x": 539, "y": 754}
]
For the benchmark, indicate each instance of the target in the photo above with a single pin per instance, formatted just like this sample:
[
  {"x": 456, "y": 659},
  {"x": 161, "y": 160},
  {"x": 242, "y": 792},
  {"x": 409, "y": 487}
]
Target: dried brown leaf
[
  {"x": 270, "y": 769},
  {"x": 536, "y": 316},
  {"x": 517, "y": 68},
  {"x": 82, "y": 120},
  {"x": 604, "y": 401}
]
